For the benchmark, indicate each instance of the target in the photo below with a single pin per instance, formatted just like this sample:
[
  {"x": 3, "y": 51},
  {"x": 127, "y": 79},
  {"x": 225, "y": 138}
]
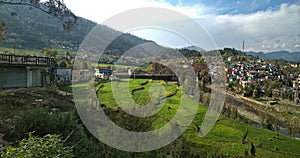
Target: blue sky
[
  {"x": 234, "y": 6},
  {"x": 265, "y": 25}
]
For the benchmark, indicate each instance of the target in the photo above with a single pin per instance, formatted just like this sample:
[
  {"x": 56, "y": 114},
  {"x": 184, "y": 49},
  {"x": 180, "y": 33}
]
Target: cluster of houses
[
  {"x": 31, "y": 71},
  {"x": 67, "y": 75},
  {"x": 257, "y": 72},
  {"x": 252, "y": 71}
]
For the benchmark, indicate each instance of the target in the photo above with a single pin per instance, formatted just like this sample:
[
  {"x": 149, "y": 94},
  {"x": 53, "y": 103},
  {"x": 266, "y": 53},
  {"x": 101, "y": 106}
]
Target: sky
[{"x": 264, "y": 25}]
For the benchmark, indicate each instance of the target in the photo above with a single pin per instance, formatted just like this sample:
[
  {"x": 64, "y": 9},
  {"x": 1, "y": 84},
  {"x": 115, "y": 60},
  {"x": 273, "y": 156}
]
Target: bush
[
  {"x": 163, "y": 82},
  {"x": 244, "y": 137},
  {"x": 47, "y": 146},
  {"x": 252, "y": 149},
  {"x": 67, "y": 88},
  {"x": 43, "y": 122}
]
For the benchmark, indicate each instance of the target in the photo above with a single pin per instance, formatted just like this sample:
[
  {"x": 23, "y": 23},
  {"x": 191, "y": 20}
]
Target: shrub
[
  {"x": 163, "y": 82},
  {"x": 252, "y": 149},
  {"x": 47, "y": 146},
  {"x": 43, "y": 122},
  {"x": 244, "y": 137}
]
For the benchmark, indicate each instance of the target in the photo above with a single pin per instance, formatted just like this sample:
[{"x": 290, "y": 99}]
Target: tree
[
  {"x": 2, "y": 30},
  {"x": 268, "y": 88},
  {"x": 239, "y": 87},
  {"x": 55, "y": 8},
  {"x": 257, "y": 91},
  {"x": 62, "y": 64},
  {"x": 249, "y": 90},
  {"x": 50, "y": 52}
]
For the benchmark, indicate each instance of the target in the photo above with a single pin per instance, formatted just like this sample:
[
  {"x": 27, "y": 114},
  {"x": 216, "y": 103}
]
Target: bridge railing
[{"x": 26, "y": 60}]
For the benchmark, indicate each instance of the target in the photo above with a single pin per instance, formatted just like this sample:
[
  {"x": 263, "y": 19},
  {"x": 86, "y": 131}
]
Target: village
[
  {"x": 258, "y": 91},
  {"x": 252, "y": 77},
  {"x": 259, "y": 78}
]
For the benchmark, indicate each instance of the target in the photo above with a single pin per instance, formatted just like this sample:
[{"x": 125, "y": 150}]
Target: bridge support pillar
[{"x": 29, "y": 76}]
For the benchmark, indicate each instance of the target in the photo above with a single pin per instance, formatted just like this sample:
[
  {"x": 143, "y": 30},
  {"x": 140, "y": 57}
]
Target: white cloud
[
  {"x": 257, "y": 29},
  {"x": 98, "y": 10},
  {"x": 268, "y": 30}
]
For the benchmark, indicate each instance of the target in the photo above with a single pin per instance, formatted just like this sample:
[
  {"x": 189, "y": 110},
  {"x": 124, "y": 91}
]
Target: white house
[
  {"x": 63, "y": 75},
  {"x": 103, "y": 73}
]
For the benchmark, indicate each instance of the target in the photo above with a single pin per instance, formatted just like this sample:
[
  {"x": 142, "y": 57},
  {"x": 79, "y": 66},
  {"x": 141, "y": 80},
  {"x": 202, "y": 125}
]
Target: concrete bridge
[{"x": 17, "y": 71}]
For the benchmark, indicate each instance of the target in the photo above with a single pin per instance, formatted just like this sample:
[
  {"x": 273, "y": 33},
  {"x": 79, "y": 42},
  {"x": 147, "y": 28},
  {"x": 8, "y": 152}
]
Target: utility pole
[{"x": 243, "y": 49}]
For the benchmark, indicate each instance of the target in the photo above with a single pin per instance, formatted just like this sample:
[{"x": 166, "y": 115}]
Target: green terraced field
[{"x": 225, "y": 137}]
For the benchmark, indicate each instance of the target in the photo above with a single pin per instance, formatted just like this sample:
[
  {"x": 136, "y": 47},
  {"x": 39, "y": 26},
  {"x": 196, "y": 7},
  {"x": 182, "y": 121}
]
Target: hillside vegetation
[
  {"x": 283, "y": 55},
  {"x": 228, "y": 137},
  {"x": 44, "y": 111},
  {"x": 29, "y": 28}
]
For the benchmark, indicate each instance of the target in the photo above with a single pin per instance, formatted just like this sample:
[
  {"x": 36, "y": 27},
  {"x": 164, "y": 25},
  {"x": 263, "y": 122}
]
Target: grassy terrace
[
  {"x": 284, "y": 110},
  {"x": 225, "y": 137},
  {"x": 16, "y": 51}
]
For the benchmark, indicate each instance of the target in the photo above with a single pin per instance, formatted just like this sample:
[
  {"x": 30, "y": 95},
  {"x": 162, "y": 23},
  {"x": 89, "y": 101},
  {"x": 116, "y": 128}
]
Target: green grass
[
  {"x": 66, "y": 88},
  {"x": 60, "y": 52},
  {"x": 116, "y": 66},
  {"x": 260, "y": 100},
  {"x": 20, "y": 51},
  {"x": 119, "y": 67},
  {"x": 225, "y": 136},
  {"x": 293, "y": 107}
]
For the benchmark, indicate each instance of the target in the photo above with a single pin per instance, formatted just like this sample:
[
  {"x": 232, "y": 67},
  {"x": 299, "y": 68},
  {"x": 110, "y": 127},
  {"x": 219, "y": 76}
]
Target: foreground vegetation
[{"x": 43, "y": 116}]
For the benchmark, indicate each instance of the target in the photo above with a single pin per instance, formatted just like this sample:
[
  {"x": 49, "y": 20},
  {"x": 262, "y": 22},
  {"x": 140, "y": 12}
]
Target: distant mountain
[
  {"x": 295, "y": 56},
  {"x": 32, "y": 29},
  {"x": 194, "y": 48}
]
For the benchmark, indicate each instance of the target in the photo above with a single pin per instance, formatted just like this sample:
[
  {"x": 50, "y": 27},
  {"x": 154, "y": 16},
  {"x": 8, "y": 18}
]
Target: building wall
[
  {"x": 20, "y": 77},
  {"x": 81, "y": 75},
  {"x": 13, "y": 77},
  {"x": 36, "y": 78},
  {"x": 63, "y": 75}
]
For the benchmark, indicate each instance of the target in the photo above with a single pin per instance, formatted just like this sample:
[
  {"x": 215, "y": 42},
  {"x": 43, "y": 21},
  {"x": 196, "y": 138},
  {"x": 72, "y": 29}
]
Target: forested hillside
[{"x": 29, "y": 28}]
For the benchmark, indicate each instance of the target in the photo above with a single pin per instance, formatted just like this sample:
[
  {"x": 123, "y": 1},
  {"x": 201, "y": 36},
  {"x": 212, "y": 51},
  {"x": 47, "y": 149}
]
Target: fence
[{"x": 26, "y": 60}]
